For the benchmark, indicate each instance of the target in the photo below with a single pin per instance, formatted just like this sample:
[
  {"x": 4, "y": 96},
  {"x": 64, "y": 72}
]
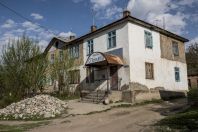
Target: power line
[{"x": 27, "y": 19}]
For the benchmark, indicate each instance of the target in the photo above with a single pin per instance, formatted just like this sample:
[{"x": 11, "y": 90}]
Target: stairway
[{"x": 93, "y": 96}]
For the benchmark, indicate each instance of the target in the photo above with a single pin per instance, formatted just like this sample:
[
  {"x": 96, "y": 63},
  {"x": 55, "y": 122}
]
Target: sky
[{"x": 43, "y": 19}]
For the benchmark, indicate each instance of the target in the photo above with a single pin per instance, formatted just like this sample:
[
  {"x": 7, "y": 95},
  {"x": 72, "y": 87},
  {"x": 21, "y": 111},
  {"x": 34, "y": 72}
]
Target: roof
[
  {"x": 121, "y": 21},
  {"x": 103, "y": 59},
  {"x": 135, "y": 21},
  {"x": 54, "y": 39}
]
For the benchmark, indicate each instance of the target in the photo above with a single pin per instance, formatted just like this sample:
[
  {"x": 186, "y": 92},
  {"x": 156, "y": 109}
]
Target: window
[
  {"x": 149, "y": 71},
  {"x": 90, "y": 49},
  {"x": 177, "y": 74},
  {"x": 189, "y": 83},
  {"x": 111, "y": 39},
  {"x": 61, "y": 55},
  {"x": 148, "y": 39},
  {"x": 74, "y": 77},
  {"x": 90, "y": 75},
  {"x": 74, "y": 51},
  {"x": 175, "y": 48},
  {"x": 52, "y": 57},
  {"x": 56, "y": 44}
]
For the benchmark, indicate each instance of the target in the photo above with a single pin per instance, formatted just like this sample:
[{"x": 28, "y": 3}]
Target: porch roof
[{"x": 103, "y": 59}]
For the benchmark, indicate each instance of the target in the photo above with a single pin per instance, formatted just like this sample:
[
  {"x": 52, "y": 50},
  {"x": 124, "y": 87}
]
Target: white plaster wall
[
  {"x": 164, "y": 75},
  {"x": 100, "y": 45}
]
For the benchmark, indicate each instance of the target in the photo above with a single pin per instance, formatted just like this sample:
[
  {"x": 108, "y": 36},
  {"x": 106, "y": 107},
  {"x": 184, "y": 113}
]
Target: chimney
[
  {"x": 71, "y": 37},
  {"x": 93, "y": 28},
  {"x": 126, "y": 13}
]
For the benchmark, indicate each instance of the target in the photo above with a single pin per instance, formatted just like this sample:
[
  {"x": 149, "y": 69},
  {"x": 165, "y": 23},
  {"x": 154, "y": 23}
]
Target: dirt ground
[{"x": 131, "y": 119}]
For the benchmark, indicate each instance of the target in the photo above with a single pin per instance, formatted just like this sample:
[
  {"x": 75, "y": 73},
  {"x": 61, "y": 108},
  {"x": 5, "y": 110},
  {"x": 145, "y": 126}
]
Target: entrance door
[{"x": 114, "y": 77}]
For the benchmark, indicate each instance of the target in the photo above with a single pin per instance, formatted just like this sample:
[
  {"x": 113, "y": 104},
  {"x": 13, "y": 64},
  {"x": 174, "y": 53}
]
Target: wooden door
[{"x": 114, "y": 77}]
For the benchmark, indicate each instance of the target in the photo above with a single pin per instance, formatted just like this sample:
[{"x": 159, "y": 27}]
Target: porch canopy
[{"x": 103, "y": 59}]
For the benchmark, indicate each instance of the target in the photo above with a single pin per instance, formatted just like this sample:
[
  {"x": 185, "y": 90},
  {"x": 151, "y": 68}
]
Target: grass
[
  {"x": 185, "y": 121},
  {"x": 21, "y": 127}
]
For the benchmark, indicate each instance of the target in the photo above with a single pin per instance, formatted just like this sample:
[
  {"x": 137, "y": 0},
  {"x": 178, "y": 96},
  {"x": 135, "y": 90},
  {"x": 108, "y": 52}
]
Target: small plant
[{"x": 193, "y": 97}]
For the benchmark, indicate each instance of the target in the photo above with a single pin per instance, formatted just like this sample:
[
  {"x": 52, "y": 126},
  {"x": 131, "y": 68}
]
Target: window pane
[
  {"x": 175, "y": 48},
  {"x": 148, "y": 39},
  {"x": 177, "y": 74},
  {"x": 111, "y": 39}
]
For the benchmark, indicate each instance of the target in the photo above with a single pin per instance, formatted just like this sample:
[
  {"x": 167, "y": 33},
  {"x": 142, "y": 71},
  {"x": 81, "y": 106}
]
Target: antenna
[
  {"x": 126, "y": 5},
  {"x": 93, "y": 16},
  {"x": 164, "y": 22}
]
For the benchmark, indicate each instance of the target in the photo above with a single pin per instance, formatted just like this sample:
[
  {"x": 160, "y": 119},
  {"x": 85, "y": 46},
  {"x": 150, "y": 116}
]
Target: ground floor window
[
  {"x": 149, "y": 70},
  {"x": 90, "y": 75},
  {"x": 74, "y": 76},
  {"x": 189, "y": 83},
  {"x": 177, "y": 74}
]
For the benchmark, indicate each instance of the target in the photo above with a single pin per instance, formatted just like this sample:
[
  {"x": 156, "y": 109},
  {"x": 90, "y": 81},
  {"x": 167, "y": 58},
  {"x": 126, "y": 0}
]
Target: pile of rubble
[{"x": 38, "y": 107}]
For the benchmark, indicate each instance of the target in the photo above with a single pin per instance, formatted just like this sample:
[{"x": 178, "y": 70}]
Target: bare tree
[
  {"x": 192, "y": 58},
  {"x": 23, "y": 67},
  {"x": 60, "y": 71}
]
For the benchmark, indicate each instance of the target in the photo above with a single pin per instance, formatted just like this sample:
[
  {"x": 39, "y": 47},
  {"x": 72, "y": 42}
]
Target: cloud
[
  {"x": 77, "y": 1},
  {"x": 98, "y": 4},
  {"x": 112, "y": 12},
  {"x": 36, "y": 16},
  {"x": 155, "y": 11},
  {"x": 31, "y": 26},
  {"x": 8, "y": 24},
  {"x": 67, "y": 34},
  {"x": 187, "y": 2},
  {"x": 192, "y": 41},
  {"x": 173, "y": 22},
  {"x": 130, "y": 4}
]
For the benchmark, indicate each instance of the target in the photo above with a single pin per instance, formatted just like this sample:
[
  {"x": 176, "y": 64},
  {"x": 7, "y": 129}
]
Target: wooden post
[{"x": 108, "y": 88}]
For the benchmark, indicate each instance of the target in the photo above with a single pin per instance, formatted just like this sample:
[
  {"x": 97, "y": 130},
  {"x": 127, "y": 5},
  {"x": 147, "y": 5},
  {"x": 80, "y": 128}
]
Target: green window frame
[
  {"x": 74, "y": 51},
  {"x": 148, "y": 39},
  {"x": 111, "y": 39},
  {"x": 177, "y": 74},
  {"x": 61, "y": 55},
  {"x": 90, "y": 47}
]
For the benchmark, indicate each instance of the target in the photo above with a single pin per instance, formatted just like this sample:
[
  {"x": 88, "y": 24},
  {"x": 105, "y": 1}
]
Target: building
[
  {"x": 128, "y": 59},
  {"x": 192, "y": 78}
]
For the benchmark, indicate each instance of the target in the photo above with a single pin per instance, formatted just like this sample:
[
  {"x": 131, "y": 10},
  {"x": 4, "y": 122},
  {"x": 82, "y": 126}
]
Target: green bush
[
  {"x": 7, "y": 100},
  {"x": 193, "y": 96}
]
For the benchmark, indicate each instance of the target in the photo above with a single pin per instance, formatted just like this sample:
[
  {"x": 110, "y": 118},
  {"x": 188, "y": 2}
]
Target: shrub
[
  {"x": 193, "y": 96},
  {"x": 7, "y": 100}
]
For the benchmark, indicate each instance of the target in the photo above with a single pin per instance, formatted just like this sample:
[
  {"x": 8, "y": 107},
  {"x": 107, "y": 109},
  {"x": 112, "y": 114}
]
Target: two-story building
[{"x": 126, "y": 55}]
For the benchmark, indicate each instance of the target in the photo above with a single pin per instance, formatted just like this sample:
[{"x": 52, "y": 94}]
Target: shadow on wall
[
  {"x": 168, "y": 95},
  {"x": 139, "y": 93}
]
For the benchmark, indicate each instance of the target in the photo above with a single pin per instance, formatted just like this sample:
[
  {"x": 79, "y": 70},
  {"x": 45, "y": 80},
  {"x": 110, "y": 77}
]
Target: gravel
[{"x": 38, "y": 107}]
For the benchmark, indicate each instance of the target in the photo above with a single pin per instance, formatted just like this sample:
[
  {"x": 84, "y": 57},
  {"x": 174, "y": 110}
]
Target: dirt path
[{"x": 132, "y": 119}]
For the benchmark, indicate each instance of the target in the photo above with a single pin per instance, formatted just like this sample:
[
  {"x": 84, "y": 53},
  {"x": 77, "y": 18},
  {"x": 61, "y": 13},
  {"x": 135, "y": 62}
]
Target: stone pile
[{"x": 38, "y": 107}]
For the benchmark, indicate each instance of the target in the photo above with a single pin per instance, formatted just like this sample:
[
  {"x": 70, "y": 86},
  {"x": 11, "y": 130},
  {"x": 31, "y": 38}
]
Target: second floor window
[
  {"x": 52, "y": 57},
  {"x": 74, "y": 51},
  {"x": 111, "y": 39},
  {"x": 148, "y": 39},
  {"x": 175, "y": 48},
  {"x": 61, "y": 55},
  {"x": 90, "y": 48}
]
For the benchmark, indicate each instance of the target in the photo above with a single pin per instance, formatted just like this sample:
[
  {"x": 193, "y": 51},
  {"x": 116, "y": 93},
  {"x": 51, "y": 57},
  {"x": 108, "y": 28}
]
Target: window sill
[
  {"x": 150, "y": 79},
  {"x": 111, "y": 48}
]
